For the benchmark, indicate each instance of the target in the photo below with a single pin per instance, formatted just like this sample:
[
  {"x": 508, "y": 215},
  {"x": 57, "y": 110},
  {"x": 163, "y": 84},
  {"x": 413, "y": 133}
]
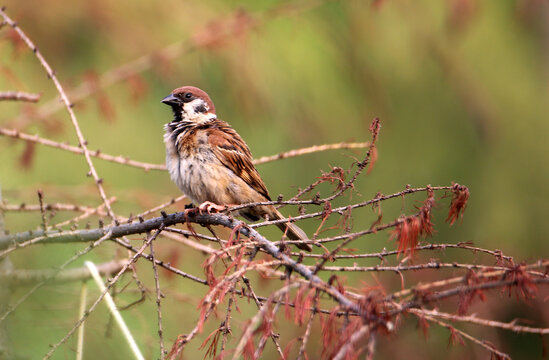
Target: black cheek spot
[{"x": 200, "y": 109}]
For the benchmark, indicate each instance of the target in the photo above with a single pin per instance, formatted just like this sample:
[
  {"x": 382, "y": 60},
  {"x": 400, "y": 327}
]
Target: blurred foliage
[{"x": 461, "y": 87}]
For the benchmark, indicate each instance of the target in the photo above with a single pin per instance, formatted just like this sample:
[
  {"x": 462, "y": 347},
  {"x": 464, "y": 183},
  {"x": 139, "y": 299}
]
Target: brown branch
[
  {"x": 511, "y": 326},
  {"x": 437, "y": 247},
  {"x": 303, "y": 346},
  {"x": 310, "y": 150},
  {"x": 25, "y": 277},
  {"x": 255, "y": 321},
  {"x": 368, "y": 160},
  {"x": 348, "y": 346},
  {"x": 80, "y": 151},
  {"x": 19, "y": 96},
  {"x": 148, "y": 166},
  {"x": 6, "y": 292},
  {"x": 431, "y": 265},
  {"x": 158, "y": 302},
  {"x": 501, "y": 355},
  {"x": 340, "y": 210},
  {"x": 497, "y": 284},
  {"x": 460, "y": 279},
  {"x": 89, "y": 212},
  {"x": 47, "y": 207}
]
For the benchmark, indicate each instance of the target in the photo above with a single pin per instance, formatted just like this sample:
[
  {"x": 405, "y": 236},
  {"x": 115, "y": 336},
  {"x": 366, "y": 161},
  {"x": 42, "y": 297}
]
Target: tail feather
[{"x": 293, "y": 231}]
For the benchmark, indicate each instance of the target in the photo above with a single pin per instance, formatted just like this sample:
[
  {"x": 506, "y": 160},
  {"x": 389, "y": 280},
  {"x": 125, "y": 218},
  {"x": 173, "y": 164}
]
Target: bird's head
[{"x": 189, "y": 103}]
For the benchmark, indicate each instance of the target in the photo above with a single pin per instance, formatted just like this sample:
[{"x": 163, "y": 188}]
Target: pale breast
[{"x": 200, "y": 175}]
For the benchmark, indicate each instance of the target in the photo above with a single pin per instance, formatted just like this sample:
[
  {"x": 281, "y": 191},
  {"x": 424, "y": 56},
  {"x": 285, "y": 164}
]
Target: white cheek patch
[
  {"x": 188, "y": 108},
  {"x": 189, "y": 111}
]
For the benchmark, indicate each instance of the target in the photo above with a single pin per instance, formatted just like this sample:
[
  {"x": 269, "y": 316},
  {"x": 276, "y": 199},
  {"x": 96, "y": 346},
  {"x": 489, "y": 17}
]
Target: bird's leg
[
  {"x": 208, "y": 207},
  {"x": 189, "y": 206},
  {"x": 190, "y": 209}
]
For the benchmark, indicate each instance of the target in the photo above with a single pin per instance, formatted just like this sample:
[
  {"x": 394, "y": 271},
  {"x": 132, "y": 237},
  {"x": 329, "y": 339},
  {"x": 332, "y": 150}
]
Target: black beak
[{"x": 171, "y": 100}]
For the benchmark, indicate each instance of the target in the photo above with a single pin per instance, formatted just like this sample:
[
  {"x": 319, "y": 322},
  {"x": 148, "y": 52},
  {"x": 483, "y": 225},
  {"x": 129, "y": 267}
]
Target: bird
[{"x": 211, "y": 163}]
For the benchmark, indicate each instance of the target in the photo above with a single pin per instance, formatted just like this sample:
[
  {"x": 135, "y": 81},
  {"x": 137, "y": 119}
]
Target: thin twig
[
  {"x": 114, "y": 311},
  {"x": 374, "y": 128},
  {"x": 73, "y": 258},
  {"x": 431, "y": 265},
  {"x": 460, "y": 279},
  {"x": 21, "y": 277},
  {"x": 82, "y": 309},
  {"x": 48, "y": 207},
  {"x": 42, "y": 210},
  {"x": 310, "y": 150},
  {"x": 110, "y": 283},
  {"x": 349, "y": 345},
  {"x": 491, "y": 349},
  {"x": 87, "y": 213},
  {"x": 68, "y": 105},
  {"x": 227, "y": 324},
  {"x": 496, "y": 253},
  {"x": 256, "y": 320},
  {"x": 148, "y": 166},
  {"x": 303, "y": 346},
  {"x": 19, "y": 96},
  {"x": 473, "y": 319},
  {"x": 80, "y": 151},
  {"x": 158, "y": 310}
]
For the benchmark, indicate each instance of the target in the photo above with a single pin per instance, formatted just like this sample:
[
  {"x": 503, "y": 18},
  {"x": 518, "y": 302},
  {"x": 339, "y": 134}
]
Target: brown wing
[{"x": 233, "y": 152}]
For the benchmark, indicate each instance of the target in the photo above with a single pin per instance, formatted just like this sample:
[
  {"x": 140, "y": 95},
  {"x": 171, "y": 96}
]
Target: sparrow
[{"x": 212, "y": 164}]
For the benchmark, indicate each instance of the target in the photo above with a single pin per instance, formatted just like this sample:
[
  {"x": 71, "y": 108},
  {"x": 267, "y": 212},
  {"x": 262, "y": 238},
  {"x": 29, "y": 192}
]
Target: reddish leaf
[
  {"x": 455, "y": 337},
  {"x": 467, "y": 296},
  {"x": 28, "y": 155},
  {"x": 138, "y": 87},
  {"x": 424, "y": 326},
  {"x": 459, "y": 203}
]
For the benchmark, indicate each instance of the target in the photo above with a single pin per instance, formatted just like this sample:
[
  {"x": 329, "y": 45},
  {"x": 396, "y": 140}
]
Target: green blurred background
[{"x": 461, "y": 88}]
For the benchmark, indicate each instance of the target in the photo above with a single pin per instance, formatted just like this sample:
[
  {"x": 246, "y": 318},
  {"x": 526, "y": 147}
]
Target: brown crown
[{"x": 197, "y": 93}]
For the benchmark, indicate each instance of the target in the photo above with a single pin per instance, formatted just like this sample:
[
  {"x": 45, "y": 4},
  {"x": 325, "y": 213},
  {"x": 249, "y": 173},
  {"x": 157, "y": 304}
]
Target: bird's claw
[{"x": 208, "y": 207}]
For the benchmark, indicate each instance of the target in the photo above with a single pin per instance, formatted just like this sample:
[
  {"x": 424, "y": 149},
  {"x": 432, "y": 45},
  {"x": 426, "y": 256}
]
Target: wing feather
[{"x": 233, "y": 152}]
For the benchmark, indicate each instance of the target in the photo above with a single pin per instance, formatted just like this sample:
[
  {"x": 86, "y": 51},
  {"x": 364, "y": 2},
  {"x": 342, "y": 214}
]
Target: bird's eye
[{"x": 188, "y": 95}]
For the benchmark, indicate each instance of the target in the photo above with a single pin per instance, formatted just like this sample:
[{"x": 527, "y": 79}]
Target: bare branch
[
  {"x": 310, "y": 150},
  {"x": 473, "y": 319},
  {"x": 158, "y": 302},
  {"x": 68, "y": 106},
  {"x": 80, "y": 151},
  {"x": 480, "y": 343},
  {"x": 148, "y": 166},
  {"x": 24, "y": 277},
  {"x": 19, "y": 96}
]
